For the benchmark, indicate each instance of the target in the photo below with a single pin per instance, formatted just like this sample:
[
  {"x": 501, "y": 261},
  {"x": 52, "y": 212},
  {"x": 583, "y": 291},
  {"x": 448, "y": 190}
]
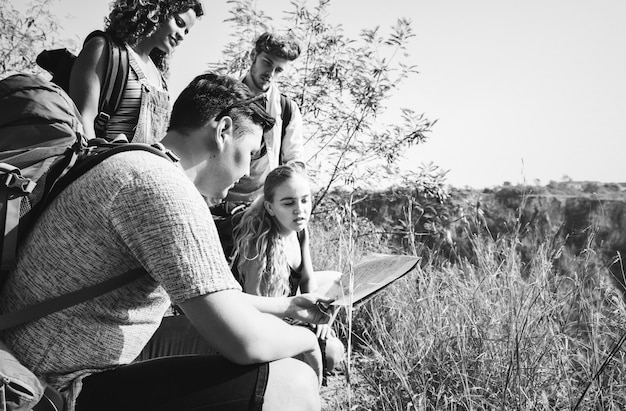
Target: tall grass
[{"x": 480, "y": 335}]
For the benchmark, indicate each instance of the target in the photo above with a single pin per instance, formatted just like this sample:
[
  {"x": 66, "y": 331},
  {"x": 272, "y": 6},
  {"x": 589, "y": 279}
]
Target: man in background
[{"x": 281, "y": 144}]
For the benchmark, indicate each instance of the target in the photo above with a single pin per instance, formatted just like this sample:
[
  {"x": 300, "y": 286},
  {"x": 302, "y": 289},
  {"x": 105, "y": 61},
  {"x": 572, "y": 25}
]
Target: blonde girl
[{"x": 272, "y": 256}]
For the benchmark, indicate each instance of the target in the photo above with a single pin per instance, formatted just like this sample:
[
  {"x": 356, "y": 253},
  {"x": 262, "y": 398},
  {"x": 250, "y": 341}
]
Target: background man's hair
[
  {"x": 209, "y": 95},
  {"x": 277, "y": 45}
]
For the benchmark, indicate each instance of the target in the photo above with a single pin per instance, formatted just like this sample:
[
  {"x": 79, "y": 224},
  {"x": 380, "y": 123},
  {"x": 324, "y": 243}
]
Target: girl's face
[
  {"x": 291, "y": 205},
  {"x": 171, "y": 32}
]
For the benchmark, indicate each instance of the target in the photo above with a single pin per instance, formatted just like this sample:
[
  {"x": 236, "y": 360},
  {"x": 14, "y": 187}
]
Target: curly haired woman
[{"x": 150, "y": 30}]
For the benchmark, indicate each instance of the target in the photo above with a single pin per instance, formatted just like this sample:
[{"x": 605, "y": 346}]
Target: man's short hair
[
  {"x": 211, "y": 96},
  {"x": 282, "y": 46}
]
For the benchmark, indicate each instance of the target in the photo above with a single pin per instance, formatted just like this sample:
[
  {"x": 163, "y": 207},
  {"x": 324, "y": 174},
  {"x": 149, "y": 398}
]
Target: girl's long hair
[{"x": 257, "y": 237}]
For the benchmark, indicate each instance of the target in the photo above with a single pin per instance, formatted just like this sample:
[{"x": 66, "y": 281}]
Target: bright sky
[{"x": 522, "y": 90}]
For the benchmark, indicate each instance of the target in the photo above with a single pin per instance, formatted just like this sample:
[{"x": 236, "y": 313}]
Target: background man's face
[{"x": 265, "y": 68}]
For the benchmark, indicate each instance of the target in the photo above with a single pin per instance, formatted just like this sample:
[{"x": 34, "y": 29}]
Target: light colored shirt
[
  {"x": 290, "y": 146},
  {"x": 134, "y": 209}
]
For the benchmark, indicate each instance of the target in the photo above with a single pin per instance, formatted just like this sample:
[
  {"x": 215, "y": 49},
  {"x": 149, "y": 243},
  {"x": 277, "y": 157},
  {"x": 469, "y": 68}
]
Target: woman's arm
[
  {"x": 87, "y": 75},
  {"x": 307, "y": 279}
]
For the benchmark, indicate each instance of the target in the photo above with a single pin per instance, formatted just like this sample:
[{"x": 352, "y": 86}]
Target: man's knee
[{"x": 292, "y": 385}]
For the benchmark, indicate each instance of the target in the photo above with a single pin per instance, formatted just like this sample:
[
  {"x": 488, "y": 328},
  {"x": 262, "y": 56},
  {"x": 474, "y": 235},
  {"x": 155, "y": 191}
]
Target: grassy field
[{"x": 481, "y": 335}]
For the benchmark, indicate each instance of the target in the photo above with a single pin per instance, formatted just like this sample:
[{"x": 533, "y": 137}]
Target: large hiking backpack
[
  {"x": 42, "y": 151},
  {"x": 39, "y": 127},
  {"x": 59, "y": 63}
]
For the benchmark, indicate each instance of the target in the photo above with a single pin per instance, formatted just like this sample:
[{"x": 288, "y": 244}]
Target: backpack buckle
[
  {"x": 11, "y": 178},
  {"x": 100, "y": 123},
  {"x": 15, "y": 181},
  {"x": 173, "y": 157},
  {"x": 102, "y": 117}
]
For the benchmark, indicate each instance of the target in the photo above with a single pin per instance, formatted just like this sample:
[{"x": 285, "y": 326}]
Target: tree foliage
[
  {"x": 342, "y": 86},
  {"x": 24, "y": 33}
]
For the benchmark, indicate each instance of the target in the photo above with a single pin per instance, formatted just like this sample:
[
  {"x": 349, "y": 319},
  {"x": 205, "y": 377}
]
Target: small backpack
[
  {"x": 59, "y": 63},
  {"x": 42, "y": 151}
]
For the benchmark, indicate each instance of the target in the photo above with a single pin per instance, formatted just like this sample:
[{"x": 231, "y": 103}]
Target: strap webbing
[
  {"x": 70, "y": 173},
  {"x": 285, "y": 115},
  {"x": 43, "y": 308},
  {"x": 11, "y": 222},
  {"x": 114, "y": 83},
  {"x": 4, "y": 204}
]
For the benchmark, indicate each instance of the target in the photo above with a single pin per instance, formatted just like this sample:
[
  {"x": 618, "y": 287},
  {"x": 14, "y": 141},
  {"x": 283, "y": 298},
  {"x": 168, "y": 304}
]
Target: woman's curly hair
[{"x": 131, "y": 21}]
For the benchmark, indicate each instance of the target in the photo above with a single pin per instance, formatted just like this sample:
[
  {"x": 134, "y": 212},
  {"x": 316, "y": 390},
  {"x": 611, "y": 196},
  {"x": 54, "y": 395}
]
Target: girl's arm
[
  {"x": 307, "y": 280},
  {"x": 87, "y": 75}
]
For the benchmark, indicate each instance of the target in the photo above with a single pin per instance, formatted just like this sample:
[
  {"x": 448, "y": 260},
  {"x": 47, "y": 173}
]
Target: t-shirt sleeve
[{"x": 168, "y": 227}]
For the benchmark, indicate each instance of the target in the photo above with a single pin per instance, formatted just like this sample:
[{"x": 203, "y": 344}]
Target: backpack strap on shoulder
[
  {"x": 285, "y": 116},
  {"x": 96, "y": 152},
  {"x": 114, "y": 82},
  {"x": 43, "y": 308},
  {"x": 13, "y": 186}
]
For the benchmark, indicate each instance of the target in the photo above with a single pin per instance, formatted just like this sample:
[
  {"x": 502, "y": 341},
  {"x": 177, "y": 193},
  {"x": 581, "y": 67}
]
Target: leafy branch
[{"x": 342, "y": 86}]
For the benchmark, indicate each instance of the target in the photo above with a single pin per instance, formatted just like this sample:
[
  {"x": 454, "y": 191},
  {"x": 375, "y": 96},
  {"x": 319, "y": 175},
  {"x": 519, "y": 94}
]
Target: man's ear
[
  {"x": 268, "y": 207},
  {"x": 225, "y": 131},
  {"x": 253, "y": 55}
]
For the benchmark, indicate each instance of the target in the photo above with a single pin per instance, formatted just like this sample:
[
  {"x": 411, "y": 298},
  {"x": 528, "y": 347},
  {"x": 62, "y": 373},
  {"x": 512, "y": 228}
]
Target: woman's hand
[
  {"x": 310, "y": 308},
  {"x": 323, "y": 331}
]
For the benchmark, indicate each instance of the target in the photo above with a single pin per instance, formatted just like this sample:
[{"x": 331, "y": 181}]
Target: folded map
[{"x": 371, "y": 275}]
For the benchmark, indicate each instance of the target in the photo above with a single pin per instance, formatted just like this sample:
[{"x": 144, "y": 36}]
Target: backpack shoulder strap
[
  {"x": 49, "y": 306},
  {"x": 285, "y": 109},
  {"x": 71, "y": 173},
  {"x": 114, "y": 82},
  {"x": 89, "y": 161},
  {"x": 285, "y": 115}
]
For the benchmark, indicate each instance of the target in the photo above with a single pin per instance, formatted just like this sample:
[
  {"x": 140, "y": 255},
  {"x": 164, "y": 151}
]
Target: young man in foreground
[{"x": 134, "y": 210}]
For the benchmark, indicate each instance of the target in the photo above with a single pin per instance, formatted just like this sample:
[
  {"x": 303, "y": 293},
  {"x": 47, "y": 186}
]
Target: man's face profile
[{"x": 230, "y": 163}]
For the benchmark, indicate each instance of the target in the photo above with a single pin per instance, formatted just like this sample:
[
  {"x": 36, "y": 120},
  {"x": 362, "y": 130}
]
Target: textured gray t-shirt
[{"x": 135, "y": 209}]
